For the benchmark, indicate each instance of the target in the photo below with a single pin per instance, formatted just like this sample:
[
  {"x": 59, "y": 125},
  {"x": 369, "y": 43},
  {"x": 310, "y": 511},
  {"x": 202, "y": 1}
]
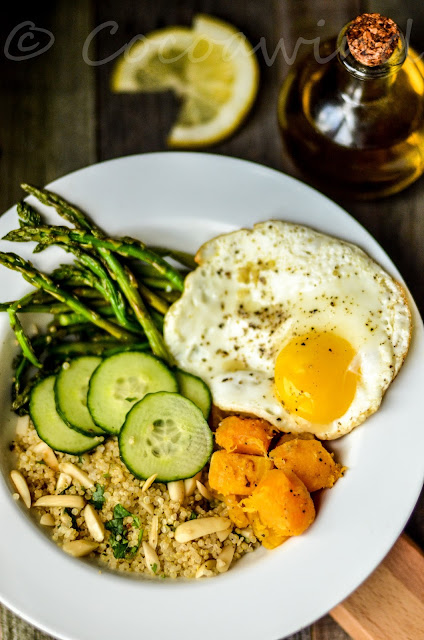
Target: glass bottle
[{"x": 352, "y": 117}]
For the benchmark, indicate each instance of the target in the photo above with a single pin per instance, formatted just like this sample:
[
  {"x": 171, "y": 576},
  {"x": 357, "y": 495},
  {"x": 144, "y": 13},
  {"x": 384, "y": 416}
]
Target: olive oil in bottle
[{"x": 352, "y": 117}]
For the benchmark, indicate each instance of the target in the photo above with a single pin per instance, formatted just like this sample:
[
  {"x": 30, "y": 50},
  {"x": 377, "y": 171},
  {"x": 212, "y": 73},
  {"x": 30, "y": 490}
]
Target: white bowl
[{"x": 183, "y": 199}]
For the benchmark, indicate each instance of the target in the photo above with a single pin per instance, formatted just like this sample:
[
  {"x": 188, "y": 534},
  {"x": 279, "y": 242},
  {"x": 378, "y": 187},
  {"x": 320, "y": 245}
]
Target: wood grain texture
[
  {"x": 47, "y": 125},
  {"x": 328, "y": 629},
  {"x": 390, "y": 603},
  {"x": 134, "y": 123},
  {"x": 47, "y": 129},
  {"x": 13, "y": 628},
  {"x": 58, "y": 114}
]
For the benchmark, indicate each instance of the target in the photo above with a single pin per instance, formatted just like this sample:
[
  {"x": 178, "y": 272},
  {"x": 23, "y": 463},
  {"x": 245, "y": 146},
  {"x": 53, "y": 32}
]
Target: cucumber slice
[
  {"x": 122, "y": 380},
  {"x": 71, "y": 388},
  {"x": 50, "y": 426},
  {"x": 196, "y": 390},
  {"x": 166, "y": 434}
]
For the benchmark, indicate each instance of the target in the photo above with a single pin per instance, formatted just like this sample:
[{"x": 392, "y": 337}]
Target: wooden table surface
[{"x": 57, "y": 114}]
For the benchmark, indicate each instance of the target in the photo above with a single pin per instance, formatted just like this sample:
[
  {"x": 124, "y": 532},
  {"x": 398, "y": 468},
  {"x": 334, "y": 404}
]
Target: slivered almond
[
  {"x": 190, "y": 484},
  {"x": 63, "y": 482},
  {"x": 176, "y": 491},
  {"x": 203, "y": 491},
  {"x": 21, "y": 487},
  {"x": 151, "y": 558},
  {"x": 225, "y": 558},
  {"x": 147, "y": 507},
  {"x": 77, "y": 474},
  {"x": 153, "y": 535},
  {"x": 22, "y": 425},
  {"x": 47, "y": 454},
  {"x": 206, "y": 569},
  {"x": 94, "y": 524},
  {"x": 79, "y": 548},
  {"x": 68, "y": 502},
  {"x": 223, "y": 535},
  {"x": 148, "y": 483},
  {"x": 47, "y": 520},
  {"x": 39, "y": 448},
  {"x": 193, "y": 529}
]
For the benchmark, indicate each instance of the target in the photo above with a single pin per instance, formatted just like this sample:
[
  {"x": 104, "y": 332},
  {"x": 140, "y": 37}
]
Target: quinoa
[{"x": 104, "y": 467}]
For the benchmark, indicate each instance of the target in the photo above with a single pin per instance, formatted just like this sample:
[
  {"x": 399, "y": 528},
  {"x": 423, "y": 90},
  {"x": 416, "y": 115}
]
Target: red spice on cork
[{"x": 372, "y": 38}]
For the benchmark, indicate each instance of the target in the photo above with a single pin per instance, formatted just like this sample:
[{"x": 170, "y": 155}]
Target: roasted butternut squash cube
[
  {"x": 282, "y": 503},
  {"x": 310, "y": 461},
  {"x": 236, "y": 473},
  {"x": 235, "y": 511},
  {"x": 244, "y": 435},
  {"x": 269, "y": 538}
]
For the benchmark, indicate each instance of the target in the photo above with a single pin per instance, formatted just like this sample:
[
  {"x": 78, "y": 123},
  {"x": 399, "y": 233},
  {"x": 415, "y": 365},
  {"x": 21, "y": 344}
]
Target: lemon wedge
[{"x": 211, "y": 67}]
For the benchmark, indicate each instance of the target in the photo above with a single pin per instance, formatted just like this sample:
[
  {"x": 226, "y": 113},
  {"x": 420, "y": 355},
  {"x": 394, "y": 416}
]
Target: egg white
[{"x": 256, "y": 289}]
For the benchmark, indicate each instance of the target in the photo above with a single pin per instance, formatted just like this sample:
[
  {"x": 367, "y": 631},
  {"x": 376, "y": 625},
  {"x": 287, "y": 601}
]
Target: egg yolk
[{"x": 315, "y": 376}]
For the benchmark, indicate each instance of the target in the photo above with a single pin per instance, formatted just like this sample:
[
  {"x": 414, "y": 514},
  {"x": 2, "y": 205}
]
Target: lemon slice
[{"x": 211, "y": 66}]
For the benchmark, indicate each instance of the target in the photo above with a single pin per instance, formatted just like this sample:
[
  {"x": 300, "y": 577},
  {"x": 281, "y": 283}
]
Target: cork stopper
[{"x": 372, "y": 38}]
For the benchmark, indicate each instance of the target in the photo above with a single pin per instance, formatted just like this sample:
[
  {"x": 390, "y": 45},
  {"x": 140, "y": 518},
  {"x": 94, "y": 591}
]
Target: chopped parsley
[
  {"x": 98, "y": 499},
  {"x": 120, "y": 512},
  {"x": 154, "y": 567},
  {"x": 193, "y": 516},
  {"x": 133, "y": 550},
  {"x": 118, "y": 538},
  {"x": 136, "y": 521}
]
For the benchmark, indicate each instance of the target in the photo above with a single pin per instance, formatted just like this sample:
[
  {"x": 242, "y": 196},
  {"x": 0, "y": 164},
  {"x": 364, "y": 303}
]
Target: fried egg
[{"x": 291, "y": 325}]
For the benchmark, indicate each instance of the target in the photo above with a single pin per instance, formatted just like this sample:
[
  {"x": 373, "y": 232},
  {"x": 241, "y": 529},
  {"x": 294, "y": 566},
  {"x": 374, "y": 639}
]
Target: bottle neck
[
  {"x": 361, "y": 83},
  {"x": 363, "y": 90}
]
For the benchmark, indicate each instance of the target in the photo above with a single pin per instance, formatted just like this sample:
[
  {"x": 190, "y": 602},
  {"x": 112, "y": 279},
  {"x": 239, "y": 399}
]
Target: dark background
[{"x": 57, "y": 114}]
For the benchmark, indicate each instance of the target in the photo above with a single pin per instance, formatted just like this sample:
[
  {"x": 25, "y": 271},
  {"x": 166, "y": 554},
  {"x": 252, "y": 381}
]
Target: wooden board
[{"x": 390, "y": 604}]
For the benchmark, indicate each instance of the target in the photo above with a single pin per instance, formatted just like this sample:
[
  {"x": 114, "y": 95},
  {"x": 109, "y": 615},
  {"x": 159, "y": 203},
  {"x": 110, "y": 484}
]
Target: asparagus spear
[
  {"x": 106, "y": 286},
  {"x": 20, "y": 390},
  {"x": 153, "y": 299},
  {"x": 159, "y": 283},
  {"x": 21, "y": 398},
  {"x": 21, "y": 366},
  {"x": 21, "y": 336},
  {"x": 79, "y": 219},
  {"x": 64, "y": 208},
  {"x": 84, "y": 292},
  {"x": 184, "y": 258},
  {"x": 66, "y": 319},
  {"x": 73, "y": 275},
  {"x": 57, "y": 234},
  {"x": 38, "y": 279},
  {"x": 28, "y": 215},
  {"x": 66, "y": 236},
  {"x": 54, "y": 308},
  {"x": 170, "y": 296}
]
